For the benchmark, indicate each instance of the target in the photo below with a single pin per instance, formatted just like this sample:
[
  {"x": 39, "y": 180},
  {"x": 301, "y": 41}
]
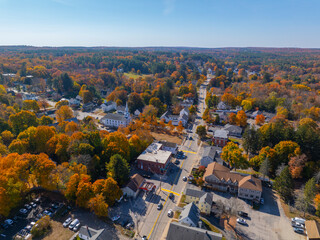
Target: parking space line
[{"x": 166, "y": 190}]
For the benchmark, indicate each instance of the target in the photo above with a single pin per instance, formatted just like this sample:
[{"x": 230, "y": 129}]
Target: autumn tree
[
  {"x": 260, "y": 119},
  {"x": 296, "y": 165},
  {"x": 180, "y": 127},
  {"x": 98, "y": 205},
  {"x": 31, "y": 105},
  {"x": 232, "y": 154},
  {"x": 201, "y": 131},
  {"x": 241, "y": 119},
  {"x": 65, "y": 112},
  {"x": 22, "y": 120},
  {"x": 232, "y": 118},
  {"x": 135, "y": 102},
  {"x": 118, "y": 168}
]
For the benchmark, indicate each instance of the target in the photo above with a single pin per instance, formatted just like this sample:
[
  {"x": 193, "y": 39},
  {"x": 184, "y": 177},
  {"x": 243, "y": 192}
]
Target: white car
[
  {"x": 27, "y": 206},
  {"x": 8, "y": 221},
  {"x": 76, "y": 227},
  {"x": 67, "y": 222},
  {"x": 23, "y": 210},
  {"x": 170, "y": 213},
  {"x": 115, "y": 218},
  {"x": 241, "y": 221},
  {"x": 73, "y": 224}
]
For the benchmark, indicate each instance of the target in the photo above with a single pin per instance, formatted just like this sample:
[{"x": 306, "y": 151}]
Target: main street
[{"x": 154, "y": 223}]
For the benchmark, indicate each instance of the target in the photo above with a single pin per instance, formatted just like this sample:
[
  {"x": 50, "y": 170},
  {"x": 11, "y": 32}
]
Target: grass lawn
[
  {"x": 134, "y": 75},
  {"x": 291, "y": 212},
  {"x": 58, "y": 232},
  {"x": 166, "y": 137}
]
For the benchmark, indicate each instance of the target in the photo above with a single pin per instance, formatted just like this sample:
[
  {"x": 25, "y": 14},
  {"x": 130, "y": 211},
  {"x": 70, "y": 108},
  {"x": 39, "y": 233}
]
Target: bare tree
[
  {"x": 301, "y": 202},
  {"x": 231, "y": 208}
]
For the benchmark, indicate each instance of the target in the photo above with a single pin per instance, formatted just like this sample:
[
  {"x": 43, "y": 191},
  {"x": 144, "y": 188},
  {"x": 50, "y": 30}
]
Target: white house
[
  {"x": 210, "y": 155},
  {"x": 116, "y": 119},
  {"x": 108, "y": 106},
  {"x": 190, "y": 215},
  {"x": 183, "y": 117},
  {"x": 28, "y": 96},
  {"x": 86, "y": 233},
  {"x": 222, "y": 106},
  {"x": 74, "y": 101},
  {"x": 136, "y": 112}
]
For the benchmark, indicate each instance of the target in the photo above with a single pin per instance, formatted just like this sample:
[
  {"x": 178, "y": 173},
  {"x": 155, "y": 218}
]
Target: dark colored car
[
  {"x": 243, "y": 214},
  {"x": 171, "y": 195}
]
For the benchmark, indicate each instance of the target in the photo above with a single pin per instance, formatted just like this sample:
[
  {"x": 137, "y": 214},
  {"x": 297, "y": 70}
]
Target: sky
[{"x": 144, "y": 23}]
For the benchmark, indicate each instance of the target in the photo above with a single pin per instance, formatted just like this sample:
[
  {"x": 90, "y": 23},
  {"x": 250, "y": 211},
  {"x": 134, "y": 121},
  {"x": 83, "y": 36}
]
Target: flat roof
[{"x": 159, "y": 156}]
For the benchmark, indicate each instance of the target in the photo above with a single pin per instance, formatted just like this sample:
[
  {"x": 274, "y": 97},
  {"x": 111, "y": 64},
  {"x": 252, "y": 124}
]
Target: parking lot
[
  {"x": 268, "y": 222},
  {"x": 30, "y": 213}
]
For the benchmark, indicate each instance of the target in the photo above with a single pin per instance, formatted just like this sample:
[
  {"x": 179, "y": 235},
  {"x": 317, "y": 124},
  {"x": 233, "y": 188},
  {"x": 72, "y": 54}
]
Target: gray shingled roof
[
  {"x": 203, "y": 196},
  {"x": 233, "y": 129},
  {"x": 178, "y": 231},
  {"x": 191, "y": 211},
  {"x": 114, "y": 116},
  {"x": 210, "y": 151}
]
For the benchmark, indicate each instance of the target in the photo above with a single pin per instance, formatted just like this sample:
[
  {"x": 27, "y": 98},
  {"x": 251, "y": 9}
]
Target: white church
[{"x": 114, "y": 120}]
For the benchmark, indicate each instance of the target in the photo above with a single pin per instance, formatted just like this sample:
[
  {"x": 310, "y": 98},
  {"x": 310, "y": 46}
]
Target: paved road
[{"x": 152, "y": 222}]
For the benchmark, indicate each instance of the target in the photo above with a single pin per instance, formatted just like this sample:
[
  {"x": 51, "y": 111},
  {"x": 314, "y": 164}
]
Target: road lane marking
[
  {"x": 188, "y": 151},
  {"x": 163, "y": 204},
  {"x": 166, "y": 190}
]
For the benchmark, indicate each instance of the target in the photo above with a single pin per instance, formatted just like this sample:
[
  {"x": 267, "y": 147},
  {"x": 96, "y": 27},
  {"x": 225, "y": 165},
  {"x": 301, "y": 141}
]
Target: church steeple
[{"x": 126, "y": 113}]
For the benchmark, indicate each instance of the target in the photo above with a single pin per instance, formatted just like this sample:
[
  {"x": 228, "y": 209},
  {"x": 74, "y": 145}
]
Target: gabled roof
[
  {"x": 210, "y": 151},
  {"x": 220, "y": 133},
  {"x": 221, "y": 172},
  {"x": 178, "y": 231},
  {"x": 250, "y": 182},
  {"x": 91, "y": 233},
  {"x": 192, "y": 212},
  {"x": 313, "y": 229},
  {"x": 206, "y": 198},
  {"x": 114, "y": 116},
  {"x": 135, "y": 182},
  {"x": 233, "y": 128}
]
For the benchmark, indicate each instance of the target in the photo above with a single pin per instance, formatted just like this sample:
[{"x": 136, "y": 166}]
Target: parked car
[
  {"x": 159, "y": 206},
  {"x": 171, "y": 196},
  {"x": 184, "y": 178},
  {"x": 130, "y": 225},
  {"x": 146, "y": 176},
  {"x": 124, "y": 223},
  {"x": 298, "y": 230},
  {"x": 30, "y": 226},
  {"x": 37, "y": 200},
  {"x": 144, "y": 238},
  {"x": 23, "y": 211},
  {"x": 76, "y": 227},
  {"x": 297, "y": 225},
  {"x": 39, "y": 215},
  {"x": 32, "y": 204},
  {"x": 170, "y": 213},
  {"x": 4, "y": 225},
  {"x": 241, "y": 221},
  {"x": 177, "y": 162},
  {"x": 27, "y": 206},
  {"x": 73, "y": 224},
  {"x": 67, "y": 222},
  {"x": 46, "y": 212},
  {"x": 9, "y": 222},
  {"x": 55, "y": 205},
  {"x": 243, "y": 214},
  {"x": 298, "y": 220},
  {"x": 262, "y": 201},
  {"x": 115, "y": 218}
]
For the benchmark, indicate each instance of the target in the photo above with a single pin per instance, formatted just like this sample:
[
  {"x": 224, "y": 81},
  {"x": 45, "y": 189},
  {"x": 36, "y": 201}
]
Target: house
[
  {"x": 178, "y": 231},
  {"x": 169, "y": 146},
  {"x": 86, "y": 233},
  {"x": 220, "y": 178},
  {"x": 187, "y": 102},
  {"x": 210, "y": 155},
  {"x": 312, "y": 230},
  {"x": 121, "y": 109},
  {"x": 183, "y": 117},
  {"x": 222, "y": 106},
  {"x": 220, "y": 137},
  {"x": 233, "y": 130},
  {"x": 74, "y": 102},
  {"x": 250, "y": 188},
  {"x": 137, "y": 112},
  {"x": 115, "y": 120},
  {"x": 203, "y": 200},
  {"x": 132, "y": 189},
  {"x": 75, "y": 120},
  {"x": 190, "y": 215},
  {"x": 27, "y": 96},
  {"x": 88, "y": 107},
  {"x": 108, "y": 106},
  {"x": 154, "y": 160}
]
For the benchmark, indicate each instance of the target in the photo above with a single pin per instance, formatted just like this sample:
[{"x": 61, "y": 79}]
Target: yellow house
[{"x": 201, "y": 199}]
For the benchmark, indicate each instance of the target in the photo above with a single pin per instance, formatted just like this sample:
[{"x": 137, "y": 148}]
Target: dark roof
[
  {"x": 135, "y": 182},
  {"x": 168, "y": 144},
  {"x": 178, "y": 231},
  {"x": 191, "y": 211},
  {"x": 67, "y": 120},
  {"x": 233, "y": 129},
  {"x": 203, "y": 196},
  {"x": 90, "y": 232}
]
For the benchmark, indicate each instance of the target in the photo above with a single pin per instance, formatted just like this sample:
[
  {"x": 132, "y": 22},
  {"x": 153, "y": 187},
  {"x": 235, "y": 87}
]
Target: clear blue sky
[{"x": 193, "y": 23}]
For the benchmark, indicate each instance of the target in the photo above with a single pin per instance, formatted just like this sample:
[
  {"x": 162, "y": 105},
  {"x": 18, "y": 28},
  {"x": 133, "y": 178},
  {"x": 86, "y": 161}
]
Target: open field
[
  {"x": 58, "y": 232},
  {"x": 135, "y": 76},
  {"x": 166, "y": 137}
]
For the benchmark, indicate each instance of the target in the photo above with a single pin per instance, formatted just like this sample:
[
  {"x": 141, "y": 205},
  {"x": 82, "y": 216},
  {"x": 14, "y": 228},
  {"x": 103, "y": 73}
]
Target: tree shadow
[{"x": 270, "y": 203}]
